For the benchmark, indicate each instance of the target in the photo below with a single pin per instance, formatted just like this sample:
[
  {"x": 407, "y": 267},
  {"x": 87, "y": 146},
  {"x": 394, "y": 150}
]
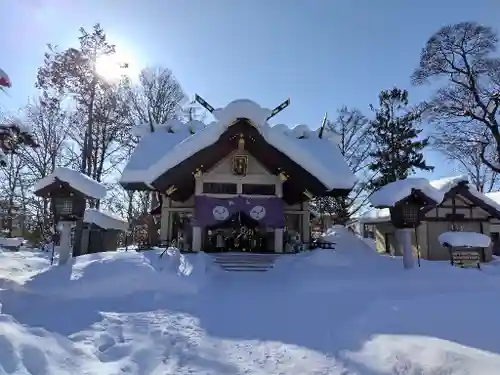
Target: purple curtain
[{"x": 267, "y": 211}]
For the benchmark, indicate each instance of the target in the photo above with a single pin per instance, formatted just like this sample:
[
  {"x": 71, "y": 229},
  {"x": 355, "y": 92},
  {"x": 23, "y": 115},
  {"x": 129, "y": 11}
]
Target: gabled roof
[
  {"x": 172, "y": 154},
  {"x": 76, "y": 180},
  {"x": 447, "y": 186}
]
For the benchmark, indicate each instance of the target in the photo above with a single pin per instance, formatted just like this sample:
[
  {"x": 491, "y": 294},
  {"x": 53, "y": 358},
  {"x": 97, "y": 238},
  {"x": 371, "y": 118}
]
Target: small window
[
  {"x": 369, "y": 231},
  {"x": 217, "y": 188},
  {"x": 259, "y": 189}
]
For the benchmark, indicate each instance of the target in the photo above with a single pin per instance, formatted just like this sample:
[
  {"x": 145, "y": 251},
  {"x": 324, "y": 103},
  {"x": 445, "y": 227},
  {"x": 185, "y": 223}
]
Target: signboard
[{"x": 465, "y": 258}]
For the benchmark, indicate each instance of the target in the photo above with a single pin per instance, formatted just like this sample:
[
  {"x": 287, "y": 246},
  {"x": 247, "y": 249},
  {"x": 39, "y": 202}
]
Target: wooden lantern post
[
  {"x": 406, "y": 217},
  {"x": 68, "y": 208}
]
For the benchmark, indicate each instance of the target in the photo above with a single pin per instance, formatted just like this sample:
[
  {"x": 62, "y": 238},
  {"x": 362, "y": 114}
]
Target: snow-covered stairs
[{"x": 243, "y": 261}]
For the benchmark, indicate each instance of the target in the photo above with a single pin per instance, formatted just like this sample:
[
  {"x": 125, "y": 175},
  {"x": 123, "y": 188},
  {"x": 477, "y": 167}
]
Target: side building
[{"x": 463, "y": 209}]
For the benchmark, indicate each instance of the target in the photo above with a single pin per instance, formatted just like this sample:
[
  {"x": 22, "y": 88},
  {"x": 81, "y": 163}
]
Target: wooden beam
[{"x": 308, "y": 194}]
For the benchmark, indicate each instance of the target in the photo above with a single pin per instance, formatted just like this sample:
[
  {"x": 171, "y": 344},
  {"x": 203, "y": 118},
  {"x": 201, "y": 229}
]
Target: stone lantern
[
  {"x": 405, "y": 200},
  {"x": 68, "y": 192}
]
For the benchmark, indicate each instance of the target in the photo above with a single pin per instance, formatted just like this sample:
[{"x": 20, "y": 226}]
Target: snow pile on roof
[
  {"x": 76, "y": 180},
  {"x": 171, "y": 126},
  {"x": 376, "y": 215},
  {"x": 493, "y": 198},
  {"x": 242, "y": 108},
  {"x": 464, "y": 239},
  {"x": 392, "y": 193},
  {"x": 105, "y": 220},
  {"x": 444, "y": 185},
  {"x": 321, "y": 157}
]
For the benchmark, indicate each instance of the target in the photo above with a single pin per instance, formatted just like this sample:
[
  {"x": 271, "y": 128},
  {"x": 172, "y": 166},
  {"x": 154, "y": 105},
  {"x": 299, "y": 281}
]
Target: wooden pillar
[
  {"x": 196, "y": 239},
  {"x": 306, "y": 223},
  {"x": 165, "y": 220},
  {"x": 278, "y": 240}
]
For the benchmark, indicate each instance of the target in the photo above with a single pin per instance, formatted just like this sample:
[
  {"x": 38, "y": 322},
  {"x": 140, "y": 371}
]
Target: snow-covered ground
[{"x": 342, "y": 312}]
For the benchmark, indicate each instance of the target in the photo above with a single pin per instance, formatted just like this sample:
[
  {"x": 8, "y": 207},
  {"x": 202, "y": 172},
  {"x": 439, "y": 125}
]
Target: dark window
[
  {"x": 369, "y": 231},
  {"x": 216, "y": 188},
  {"x": 258, "y": 189}
]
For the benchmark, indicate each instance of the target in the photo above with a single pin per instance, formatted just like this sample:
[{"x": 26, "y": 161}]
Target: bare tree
[
  {"x": 467, "y": 157},
  {"x": 157, "y": 97},
  {"x": 11, "y": 177},
  {"x": 48, "y": 121},
  {"x": 355, "y": 143},
  {"x": 467, "y": 103}
]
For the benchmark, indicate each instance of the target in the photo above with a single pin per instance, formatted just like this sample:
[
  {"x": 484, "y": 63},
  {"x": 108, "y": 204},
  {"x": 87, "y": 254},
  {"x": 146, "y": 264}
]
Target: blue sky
[{"x": 321, "y": 53}]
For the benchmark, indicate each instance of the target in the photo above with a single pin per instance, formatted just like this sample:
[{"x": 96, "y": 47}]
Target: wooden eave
[{"x": 59, "y": 189}]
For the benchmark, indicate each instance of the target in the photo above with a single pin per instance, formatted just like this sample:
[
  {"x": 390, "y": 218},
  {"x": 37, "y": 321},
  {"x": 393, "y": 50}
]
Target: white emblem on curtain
[
  {"x": 220, "y": 213},
  {"x": 257, "y": 212}
]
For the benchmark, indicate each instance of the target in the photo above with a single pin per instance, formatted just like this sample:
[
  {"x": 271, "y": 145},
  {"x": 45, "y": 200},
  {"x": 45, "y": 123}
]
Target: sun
[{"x": 113, "y": 67}]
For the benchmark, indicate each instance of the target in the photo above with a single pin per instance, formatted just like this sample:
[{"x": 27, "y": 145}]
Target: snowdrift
[
  {"x": 347, "y": 311},
  {"x": 115, "y": 274}
]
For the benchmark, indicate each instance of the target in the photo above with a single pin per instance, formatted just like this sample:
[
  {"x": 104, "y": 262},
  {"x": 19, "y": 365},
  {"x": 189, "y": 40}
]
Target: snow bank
[
  {"x": 18, "y": 267},
  {"x": 76, "y": 180},
  {"x": 390, "y": 194},
  {"x": 464, "y": 239},
  {"x": 342, "y": 312},
  {"x": 12, "y": 242},
  {"x": 105, "y": 220},
  {"x": 349, "y": 251},
  {"x": 28, "y": 350},
  {"x": 115, "y": 274}
]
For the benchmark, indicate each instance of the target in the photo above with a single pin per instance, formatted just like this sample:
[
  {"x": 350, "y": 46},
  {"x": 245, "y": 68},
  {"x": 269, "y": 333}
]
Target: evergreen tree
[{"x": 395, "y": 131}]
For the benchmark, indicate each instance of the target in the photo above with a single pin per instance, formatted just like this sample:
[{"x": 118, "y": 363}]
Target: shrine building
[{"x": 238, "y": 183}]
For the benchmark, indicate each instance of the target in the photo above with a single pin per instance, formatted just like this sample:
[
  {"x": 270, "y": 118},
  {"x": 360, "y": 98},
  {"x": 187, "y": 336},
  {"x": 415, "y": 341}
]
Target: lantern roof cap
[
  {"x": 391, "y": 194},
  {"x": 76, "y": 180}
]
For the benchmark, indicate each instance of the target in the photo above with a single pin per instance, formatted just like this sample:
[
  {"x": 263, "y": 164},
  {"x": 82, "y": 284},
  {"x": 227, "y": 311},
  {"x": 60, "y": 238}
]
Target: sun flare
[{"x": 113, "y": 67}]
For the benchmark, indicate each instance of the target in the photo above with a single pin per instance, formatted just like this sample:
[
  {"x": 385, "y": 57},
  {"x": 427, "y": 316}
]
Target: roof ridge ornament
[
  {"x": 203, "y": 103},
  {"x": 279, "y": 108},
  {"x": 323, "y": 124}
]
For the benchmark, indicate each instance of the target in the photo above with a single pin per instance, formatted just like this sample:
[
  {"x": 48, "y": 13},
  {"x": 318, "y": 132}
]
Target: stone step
[{"x": 245, "y": 262}]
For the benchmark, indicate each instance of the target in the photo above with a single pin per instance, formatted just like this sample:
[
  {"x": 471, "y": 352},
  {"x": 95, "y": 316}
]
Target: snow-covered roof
[
  {"x": 175, "y": 142},
  {"x": 464, "y": 239},
  {"x": 105, "y": 220},
  {"x": 76, "y": 180},
  {"x": 443, "y": 185},
  {"x": 390, "y": 194}
]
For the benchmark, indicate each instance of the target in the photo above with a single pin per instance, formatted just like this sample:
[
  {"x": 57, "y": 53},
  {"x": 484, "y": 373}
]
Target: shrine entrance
[{"x": 238, "y": 233}]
